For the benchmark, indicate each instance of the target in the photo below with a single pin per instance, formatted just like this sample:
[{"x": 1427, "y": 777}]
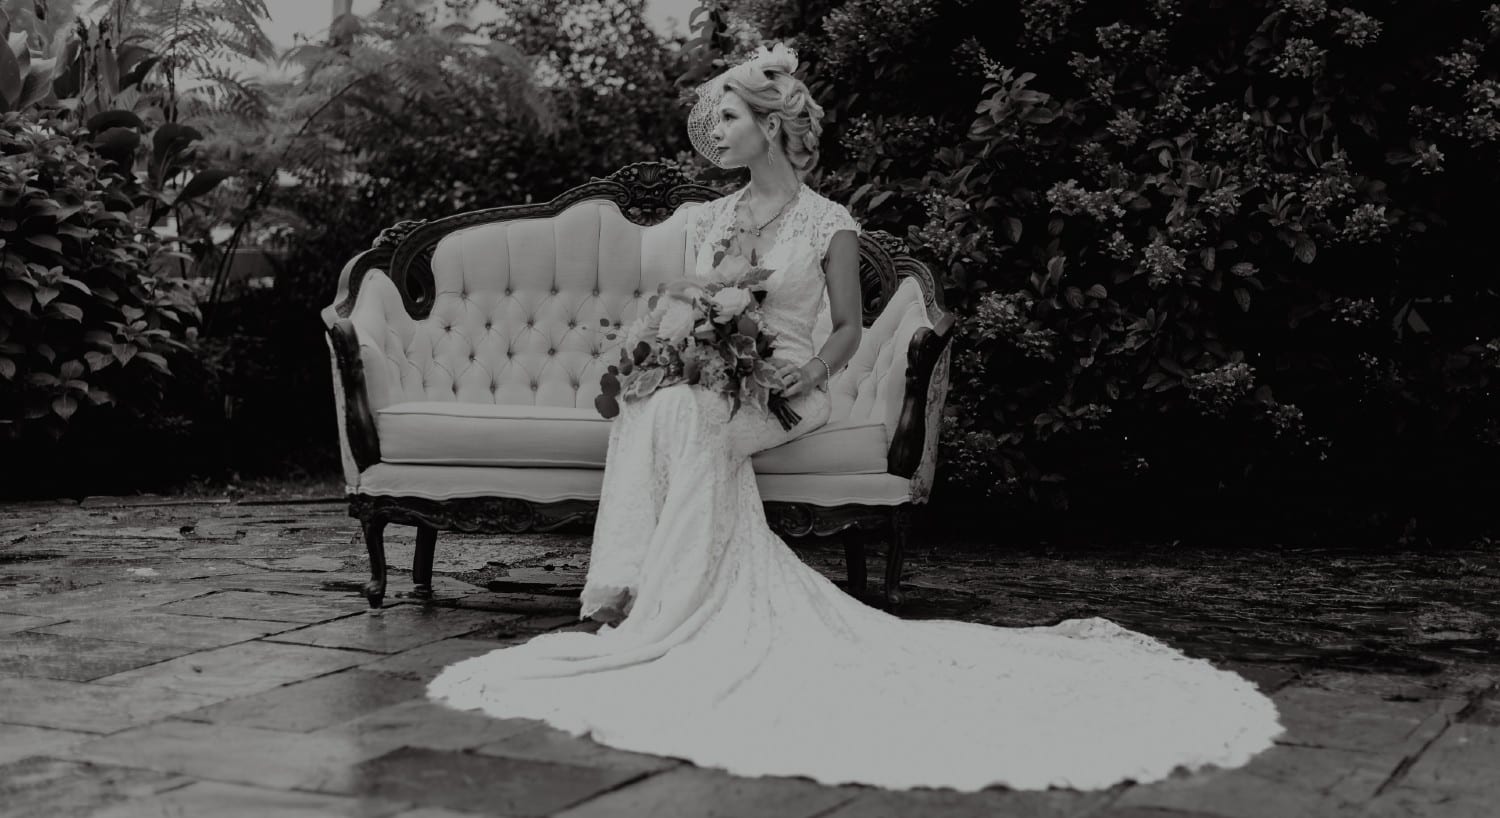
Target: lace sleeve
[
  {"x": 830, "y": 219},
  {"x": 700, "y": 222}
]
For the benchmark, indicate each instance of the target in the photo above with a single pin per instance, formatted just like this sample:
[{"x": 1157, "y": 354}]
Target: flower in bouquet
[{"x": 711, "y": 336}]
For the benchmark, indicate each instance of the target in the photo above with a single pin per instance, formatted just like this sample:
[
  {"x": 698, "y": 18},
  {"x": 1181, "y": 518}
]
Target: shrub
[
  {"x": 1216, "y": 261},
  {"x": 83, "y": 321}
]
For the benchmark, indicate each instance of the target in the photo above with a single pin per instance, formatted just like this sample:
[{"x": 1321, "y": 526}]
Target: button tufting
[
  {"x": 551, "y": 352},
  {"x": 487, "y": 325},
  {"x": 471, "y": 356},
  {"x": 596, "y": 291},
  {"x": 572, "y": 324},
  {"x": 533, "y": 387}
]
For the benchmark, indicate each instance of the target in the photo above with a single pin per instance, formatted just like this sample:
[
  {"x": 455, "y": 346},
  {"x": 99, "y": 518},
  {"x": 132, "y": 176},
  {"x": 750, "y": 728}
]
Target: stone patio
[{"x": 187, "y": 657}]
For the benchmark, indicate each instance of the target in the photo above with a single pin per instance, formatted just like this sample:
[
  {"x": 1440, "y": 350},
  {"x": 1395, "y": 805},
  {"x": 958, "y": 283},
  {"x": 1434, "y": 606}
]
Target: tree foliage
[{"x": 1215, "y": 261}]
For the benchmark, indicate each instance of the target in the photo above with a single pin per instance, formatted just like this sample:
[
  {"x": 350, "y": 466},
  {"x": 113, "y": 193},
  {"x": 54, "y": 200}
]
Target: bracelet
[{"x": 826, "y": 368}]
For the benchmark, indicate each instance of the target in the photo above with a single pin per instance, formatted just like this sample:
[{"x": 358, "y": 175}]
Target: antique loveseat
[{"x": 467, "y": 352}]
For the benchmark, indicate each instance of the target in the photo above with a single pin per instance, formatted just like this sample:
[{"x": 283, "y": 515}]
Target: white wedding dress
[{"x": 737, "y": 655}]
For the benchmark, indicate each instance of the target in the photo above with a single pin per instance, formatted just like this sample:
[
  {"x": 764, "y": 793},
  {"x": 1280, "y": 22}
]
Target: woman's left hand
[{"x": 797, "y": 380}]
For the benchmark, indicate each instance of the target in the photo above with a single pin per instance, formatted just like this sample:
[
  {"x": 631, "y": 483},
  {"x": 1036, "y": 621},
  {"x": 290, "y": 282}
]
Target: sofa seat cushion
[
  {"x": 457, "y": 433},
  {"x": 838, "y": 447},
  {"x": 557, "y": 485}
]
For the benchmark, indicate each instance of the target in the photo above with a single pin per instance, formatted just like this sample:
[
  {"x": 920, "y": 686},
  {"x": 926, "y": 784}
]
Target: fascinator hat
[{"x": 704, "y": 117}]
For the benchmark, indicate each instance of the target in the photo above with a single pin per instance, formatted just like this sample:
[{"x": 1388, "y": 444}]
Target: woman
[{"x": 721, "y": 647}]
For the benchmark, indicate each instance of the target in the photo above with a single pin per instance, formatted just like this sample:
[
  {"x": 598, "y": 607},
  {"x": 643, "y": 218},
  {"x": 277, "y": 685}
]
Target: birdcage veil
[{"x": 704, "y": 116}]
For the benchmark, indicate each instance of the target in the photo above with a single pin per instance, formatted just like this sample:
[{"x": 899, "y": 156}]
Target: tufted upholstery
[
  {"x": 517, "y": 307},
  {"x": 501, "y": 376}
]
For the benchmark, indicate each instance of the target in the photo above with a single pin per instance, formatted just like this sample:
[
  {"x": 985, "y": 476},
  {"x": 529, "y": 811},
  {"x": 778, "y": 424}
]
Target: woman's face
[{"x": 738, "y": 136}]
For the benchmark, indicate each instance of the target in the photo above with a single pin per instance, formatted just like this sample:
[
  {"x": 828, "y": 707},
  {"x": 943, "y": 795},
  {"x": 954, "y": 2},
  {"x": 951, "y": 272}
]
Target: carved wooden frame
[{"x": 647, "y": 193}]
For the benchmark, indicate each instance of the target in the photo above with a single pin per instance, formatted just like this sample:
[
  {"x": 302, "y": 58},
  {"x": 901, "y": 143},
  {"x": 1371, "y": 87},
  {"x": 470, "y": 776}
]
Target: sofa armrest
[
  {"x": 358, "y": 415},
  {"x": 910, "y": 437}
]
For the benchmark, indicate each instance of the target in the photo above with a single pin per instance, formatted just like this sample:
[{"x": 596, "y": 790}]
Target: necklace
[{"x": 755, "y": 231}]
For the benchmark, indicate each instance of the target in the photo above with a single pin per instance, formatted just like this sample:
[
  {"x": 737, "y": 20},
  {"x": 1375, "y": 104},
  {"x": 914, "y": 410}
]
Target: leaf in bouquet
[
  {"x": 603, "y": 322},
  {"x": 651, "y": 302},
  {"x": 754, "y": 394},
  {"x": 614, "y": 370},
  {"x": 718, "y": 257},
  {"x": 747, "y": 326},
  {"x": 753, "y": 262},
  {"x": 607, "y": 406},
  {"x": 692, "y": 370},
  {"x": 646, "y": 382},
  {"x": 641, "y": 352},
  {"x": 756, "y": 275},
  {"x": 744, "y": 347},
  {"x": 626, "y": 367},
  {"x": 609, "y": 384},
  {"x": 765, "y": 375}
]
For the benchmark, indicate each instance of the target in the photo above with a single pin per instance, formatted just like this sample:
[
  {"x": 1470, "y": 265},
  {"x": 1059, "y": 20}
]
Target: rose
[
  {"x": 731, "y": 268},
  {"x": 731, "y": 301},
  {"x": 677, "y": 322}
]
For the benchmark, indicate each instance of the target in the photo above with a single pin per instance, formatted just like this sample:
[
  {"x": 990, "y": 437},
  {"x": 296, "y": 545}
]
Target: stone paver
[
  {"x": 50, "y": 786},
  {"x": 90, "y": 707},
  {"x": 237, "y": 670},
  {"x": 101, "y": 599},
  {"x": 391, "y": 631},
  {"x": 876, "y": 803},
  {"x": 228, "y": 753},
  {"x": 264, "y": 606},
  {"x": 207, "y": 798},
  {"x": 19, "y": 741},
  {"x": 485, "y": 784},
  {"x": 684, "y": 793},
  {"x": 1290, "y": 780},
  {"x": 544, "y": 743},
  {"x": 79, "y": 659},
  {"x": 427, "y": 661},
  {"x": 1464, "y": 760},
  {"x": 151, "y": 628},
  {"x": 313, "y": 704},
  {"x": 290, "y": 698},
  {"x": 426, "y": 724},
  {"x": 10, "y": 623}
]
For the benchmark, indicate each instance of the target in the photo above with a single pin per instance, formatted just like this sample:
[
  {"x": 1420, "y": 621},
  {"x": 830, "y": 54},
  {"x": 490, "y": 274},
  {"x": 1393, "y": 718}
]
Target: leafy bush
[
  {"x": 1214, "y": 261},
  {"x": 83, "y": 321}
]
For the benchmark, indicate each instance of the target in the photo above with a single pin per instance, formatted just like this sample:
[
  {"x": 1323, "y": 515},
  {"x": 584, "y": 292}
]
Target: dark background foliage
[{"x": 1221, "y": 266}]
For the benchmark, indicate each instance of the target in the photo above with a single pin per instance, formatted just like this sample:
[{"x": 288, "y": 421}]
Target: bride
[{"x": 721, "y": 647}]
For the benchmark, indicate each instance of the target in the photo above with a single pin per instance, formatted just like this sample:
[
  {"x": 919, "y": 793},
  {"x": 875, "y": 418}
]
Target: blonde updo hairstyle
[{"x": 769, "y": 91}]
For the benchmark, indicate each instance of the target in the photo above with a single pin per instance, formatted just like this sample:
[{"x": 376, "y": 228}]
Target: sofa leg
[
  {"x": 375, "y": 543},
  {"x": 421, "y": 569},
  {"x": 854, "y": 562},
  {"x": 896, "y": 556}
]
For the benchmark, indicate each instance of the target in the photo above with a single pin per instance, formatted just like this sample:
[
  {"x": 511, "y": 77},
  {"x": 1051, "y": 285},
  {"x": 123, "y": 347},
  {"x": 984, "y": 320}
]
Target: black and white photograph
[{"x": 749, "y": 409}]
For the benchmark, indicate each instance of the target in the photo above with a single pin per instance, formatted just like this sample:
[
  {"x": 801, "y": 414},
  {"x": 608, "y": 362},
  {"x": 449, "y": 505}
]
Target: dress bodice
[{"x": 796, "y": 291}]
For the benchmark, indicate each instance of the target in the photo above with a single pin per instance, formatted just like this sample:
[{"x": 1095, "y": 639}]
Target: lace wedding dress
[{"x": 737, "y": 655}]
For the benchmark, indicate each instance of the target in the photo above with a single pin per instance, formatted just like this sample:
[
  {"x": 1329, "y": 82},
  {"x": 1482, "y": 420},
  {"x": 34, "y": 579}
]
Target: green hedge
[{"x": 1222, "y": 266}]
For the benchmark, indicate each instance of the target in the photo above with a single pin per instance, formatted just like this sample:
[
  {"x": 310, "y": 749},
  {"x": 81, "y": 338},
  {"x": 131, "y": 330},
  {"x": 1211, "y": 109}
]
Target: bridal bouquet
[{"x": 710, "y": 335}]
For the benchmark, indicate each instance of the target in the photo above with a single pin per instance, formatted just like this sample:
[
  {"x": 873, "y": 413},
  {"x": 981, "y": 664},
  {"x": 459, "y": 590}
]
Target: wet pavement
[{"x": 195, "y": 657}]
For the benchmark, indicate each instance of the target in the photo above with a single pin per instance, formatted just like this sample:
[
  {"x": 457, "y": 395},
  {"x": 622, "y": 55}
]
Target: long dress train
[{"x": 737, "y": 655}]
